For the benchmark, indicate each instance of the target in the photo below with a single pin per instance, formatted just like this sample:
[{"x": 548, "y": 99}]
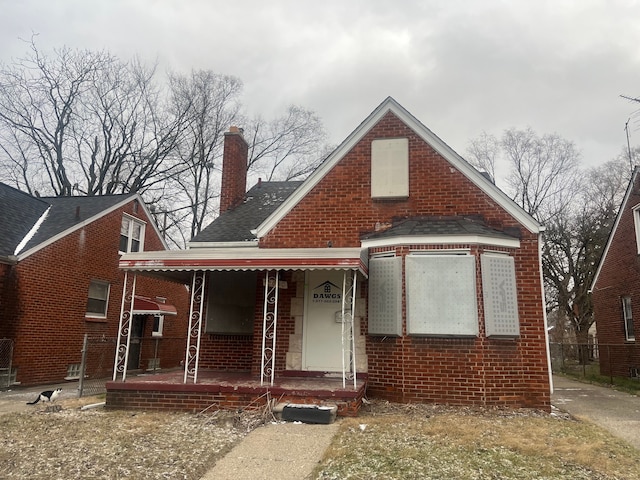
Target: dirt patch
[{"x": 64, "y": 441}]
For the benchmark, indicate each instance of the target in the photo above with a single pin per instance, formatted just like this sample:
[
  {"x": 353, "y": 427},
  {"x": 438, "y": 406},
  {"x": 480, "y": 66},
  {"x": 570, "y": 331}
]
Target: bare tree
[
  {"x": 574, "y": 242},
  {"x": 83, "y": 122},
  {"x": 577, "y": 207},
  {"x": 288, "y": 147},
  {"x": 212, "y": 103},
  {"x": 544, "y": 176},
  {"x": 483, "y": 152},
  {"x": 39, "y": 98}
]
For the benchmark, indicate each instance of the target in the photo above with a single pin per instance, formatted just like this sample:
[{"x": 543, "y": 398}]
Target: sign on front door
[{"x": 322, "y": 327}]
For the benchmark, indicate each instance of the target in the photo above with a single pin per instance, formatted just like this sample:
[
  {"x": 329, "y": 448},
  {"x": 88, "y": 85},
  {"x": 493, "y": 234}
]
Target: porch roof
[
  {"x": 178, "y": 264},
  {"x": 148, "y": 306}
]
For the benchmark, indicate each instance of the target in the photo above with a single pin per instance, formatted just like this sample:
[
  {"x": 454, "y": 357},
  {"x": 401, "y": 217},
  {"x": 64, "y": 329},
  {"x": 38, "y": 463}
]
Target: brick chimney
[{"x": 234, "y": 169}]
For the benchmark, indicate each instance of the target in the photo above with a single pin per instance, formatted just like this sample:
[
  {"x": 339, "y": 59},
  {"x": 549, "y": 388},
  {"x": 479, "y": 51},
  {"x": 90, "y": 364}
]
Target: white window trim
[
  {"x": 158, "y": 333},
  {"x": 132, "y": 221},
  {"x": 629, "y": 336},
  {"x": 636, "y": 225},
  {"x": 106, "y": 305}
]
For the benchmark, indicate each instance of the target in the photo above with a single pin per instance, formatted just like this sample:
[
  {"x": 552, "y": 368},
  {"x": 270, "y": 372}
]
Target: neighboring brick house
[
  {"x": 59, "y": 280},
  {"x": 395, "y": 260},
  {"x": 616, "y": 290}
]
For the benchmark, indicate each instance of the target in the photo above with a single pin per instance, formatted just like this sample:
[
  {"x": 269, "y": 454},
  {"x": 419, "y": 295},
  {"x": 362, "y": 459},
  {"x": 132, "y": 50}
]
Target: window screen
[
  {"x": 231, "y": 302},
  {"x": 385, "y": 296},
  {"x": 500, "y": 295},
  {"x": 441, "y": 295},
  {"x": 390, "y": 168}
]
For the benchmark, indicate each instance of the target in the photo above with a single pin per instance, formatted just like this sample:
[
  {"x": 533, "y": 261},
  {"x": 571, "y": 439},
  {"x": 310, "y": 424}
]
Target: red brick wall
[
  {"x": 619, "y": 276},
  {"x": 339, "y": 209},
  {"x": 226, "y": 352},
  {"x": 47, "y": 296},
  {"x": 234, "y": 170}
]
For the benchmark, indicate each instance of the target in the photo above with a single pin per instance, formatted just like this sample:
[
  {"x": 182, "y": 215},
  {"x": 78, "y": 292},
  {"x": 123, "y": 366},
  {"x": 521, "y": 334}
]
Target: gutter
[{"x": 9, "y": 259}]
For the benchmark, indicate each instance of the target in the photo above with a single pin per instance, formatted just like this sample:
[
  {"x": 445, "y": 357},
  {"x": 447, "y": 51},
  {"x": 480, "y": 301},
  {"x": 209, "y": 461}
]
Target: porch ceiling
[{"x": 177, "y": 265}]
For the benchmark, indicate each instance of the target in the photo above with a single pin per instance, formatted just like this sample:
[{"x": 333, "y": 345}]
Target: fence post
[
  {"x": 610, "y": 365},
  {"x": 83, "y": 363}
]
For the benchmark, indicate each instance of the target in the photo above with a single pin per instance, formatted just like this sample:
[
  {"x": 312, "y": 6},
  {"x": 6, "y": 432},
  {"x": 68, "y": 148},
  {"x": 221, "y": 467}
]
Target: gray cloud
[{"x": 460, "y": 67}]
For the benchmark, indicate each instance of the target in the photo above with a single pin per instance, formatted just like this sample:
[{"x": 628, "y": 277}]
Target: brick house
[
  {"x": 59, "y": 280},
  {"x": 396, "y": 267},
  {"x": 616, "y": 290}
]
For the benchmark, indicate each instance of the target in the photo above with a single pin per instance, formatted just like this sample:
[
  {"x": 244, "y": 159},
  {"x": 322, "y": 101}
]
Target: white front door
[{"x": 322, "y": 330}]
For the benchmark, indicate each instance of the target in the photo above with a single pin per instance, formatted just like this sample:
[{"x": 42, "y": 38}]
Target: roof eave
[{"x": 484, "y": 240}]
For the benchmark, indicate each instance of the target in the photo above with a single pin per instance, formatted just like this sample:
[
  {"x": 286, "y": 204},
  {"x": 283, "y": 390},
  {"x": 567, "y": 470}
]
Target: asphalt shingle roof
[
  {"x": 235, "y": 225},
  {"x": 62, "y": 214},
  {"x": 454, "y": 225},
  {"x": 19, "y": 212}
]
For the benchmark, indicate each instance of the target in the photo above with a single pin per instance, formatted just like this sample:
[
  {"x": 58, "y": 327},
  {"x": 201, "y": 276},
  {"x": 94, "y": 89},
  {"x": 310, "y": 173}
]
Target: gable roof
[
  {"x": 19, "y": 212},
  {"x": 238, "y": 224},
  {"x": 390, "y": 105},
  {"x": 28, "y": 224},
  {"x": 621, "y": 210}
]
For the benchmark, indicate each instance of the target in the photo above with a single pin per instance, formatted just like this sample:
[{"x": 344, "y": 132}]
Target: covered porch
[{"x": 303, "y": 342}]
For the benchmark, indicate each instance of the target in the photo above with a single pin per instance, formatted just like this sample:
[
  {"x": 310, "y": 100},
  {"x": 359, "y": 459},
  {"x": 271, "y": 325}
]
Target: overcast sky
[{"x": 460, "y": 67}]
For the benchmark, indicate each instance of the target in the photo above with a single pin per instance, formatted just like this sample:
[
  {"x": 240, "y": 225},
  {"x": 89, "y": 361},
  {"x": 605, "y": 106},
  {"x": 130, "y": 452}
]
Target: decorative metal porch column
[
  {"x": 124, "y": 327},
  {"x": 195, "y": 326},
  {"x": 269, "y": 326},
  {"x": 348, "y": 329}
]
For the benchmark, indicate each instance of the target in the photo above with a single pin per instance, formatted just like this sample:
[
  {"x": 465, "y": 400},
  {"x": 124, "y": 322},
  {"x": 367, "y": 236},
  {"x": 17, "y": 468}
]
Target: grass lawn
[{"x": 430, "y": 442}]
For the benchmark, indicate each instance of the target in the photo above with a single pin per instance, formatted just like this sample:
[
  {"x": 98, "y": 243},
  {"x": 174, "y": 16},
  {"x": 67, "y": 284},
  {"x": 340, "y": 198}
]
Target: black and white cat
[{"x": 47, "y": 396}]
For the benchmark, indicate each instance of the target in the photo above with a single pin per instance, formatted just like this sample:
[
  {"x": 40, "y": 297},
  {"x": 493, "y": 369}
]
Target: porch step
[{"x": 305, "y": 413}]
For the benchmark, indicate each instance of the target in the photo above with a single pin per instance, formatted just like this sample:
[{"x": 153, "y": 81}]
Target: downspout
[{"x": 544, "y": 314}]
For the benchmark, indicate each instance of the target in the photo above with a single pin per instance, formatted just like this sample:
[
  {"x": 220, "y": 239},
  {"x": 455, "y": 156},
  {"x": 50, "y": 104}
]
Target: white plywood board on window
[
  {"x": 390, "y": 168},
  {"x": 500, "y": 295},
  {"x": 441, "y": 295},
  {"x": 385, "y": 296}
]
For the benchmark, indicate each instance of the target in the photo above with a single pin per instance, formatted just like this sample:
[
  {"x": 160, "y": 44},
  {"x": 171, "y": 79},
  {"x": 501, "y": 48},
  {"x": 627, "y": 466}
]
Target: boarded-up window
[
  {"x": 390, "y": 168},
  {"x": 385, "y": 296},
  {"x": 500, "y": 295},
  {"x": 441, "y": 295}
]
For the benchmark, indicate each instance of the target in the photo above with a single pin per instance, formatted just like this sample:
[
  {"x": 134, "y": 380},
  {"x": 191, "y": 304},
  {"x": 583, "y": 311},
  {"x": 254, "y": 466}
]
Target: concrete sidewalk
[
  {"x": 286, "y": 451},
  {"x": 615, "y": 411}
]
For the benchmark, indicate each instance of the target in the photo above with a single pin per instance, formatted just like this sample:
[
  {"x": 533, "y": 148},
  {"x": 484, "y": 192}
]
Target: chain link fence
[
  {"x": 593, "y": 359},
  {"x": 6, "y": 355},
  {"x": 147, "y": 356}
]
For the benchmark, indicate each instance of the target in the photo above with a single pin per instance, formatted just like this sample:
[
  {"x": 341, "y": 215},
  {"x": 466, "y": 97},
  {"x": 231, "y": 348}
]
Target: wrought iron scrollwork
[
  {"x": 124, "y": 327},
  {"x": 195, "y": 327},
  {"x": 269, "y": 327}
]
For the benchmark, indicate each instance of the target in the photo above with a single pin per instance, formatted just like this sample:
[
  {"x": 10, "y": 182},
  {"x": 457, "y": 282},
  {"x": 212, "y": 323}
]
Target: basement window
[{"x": 390, "y": 168}]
